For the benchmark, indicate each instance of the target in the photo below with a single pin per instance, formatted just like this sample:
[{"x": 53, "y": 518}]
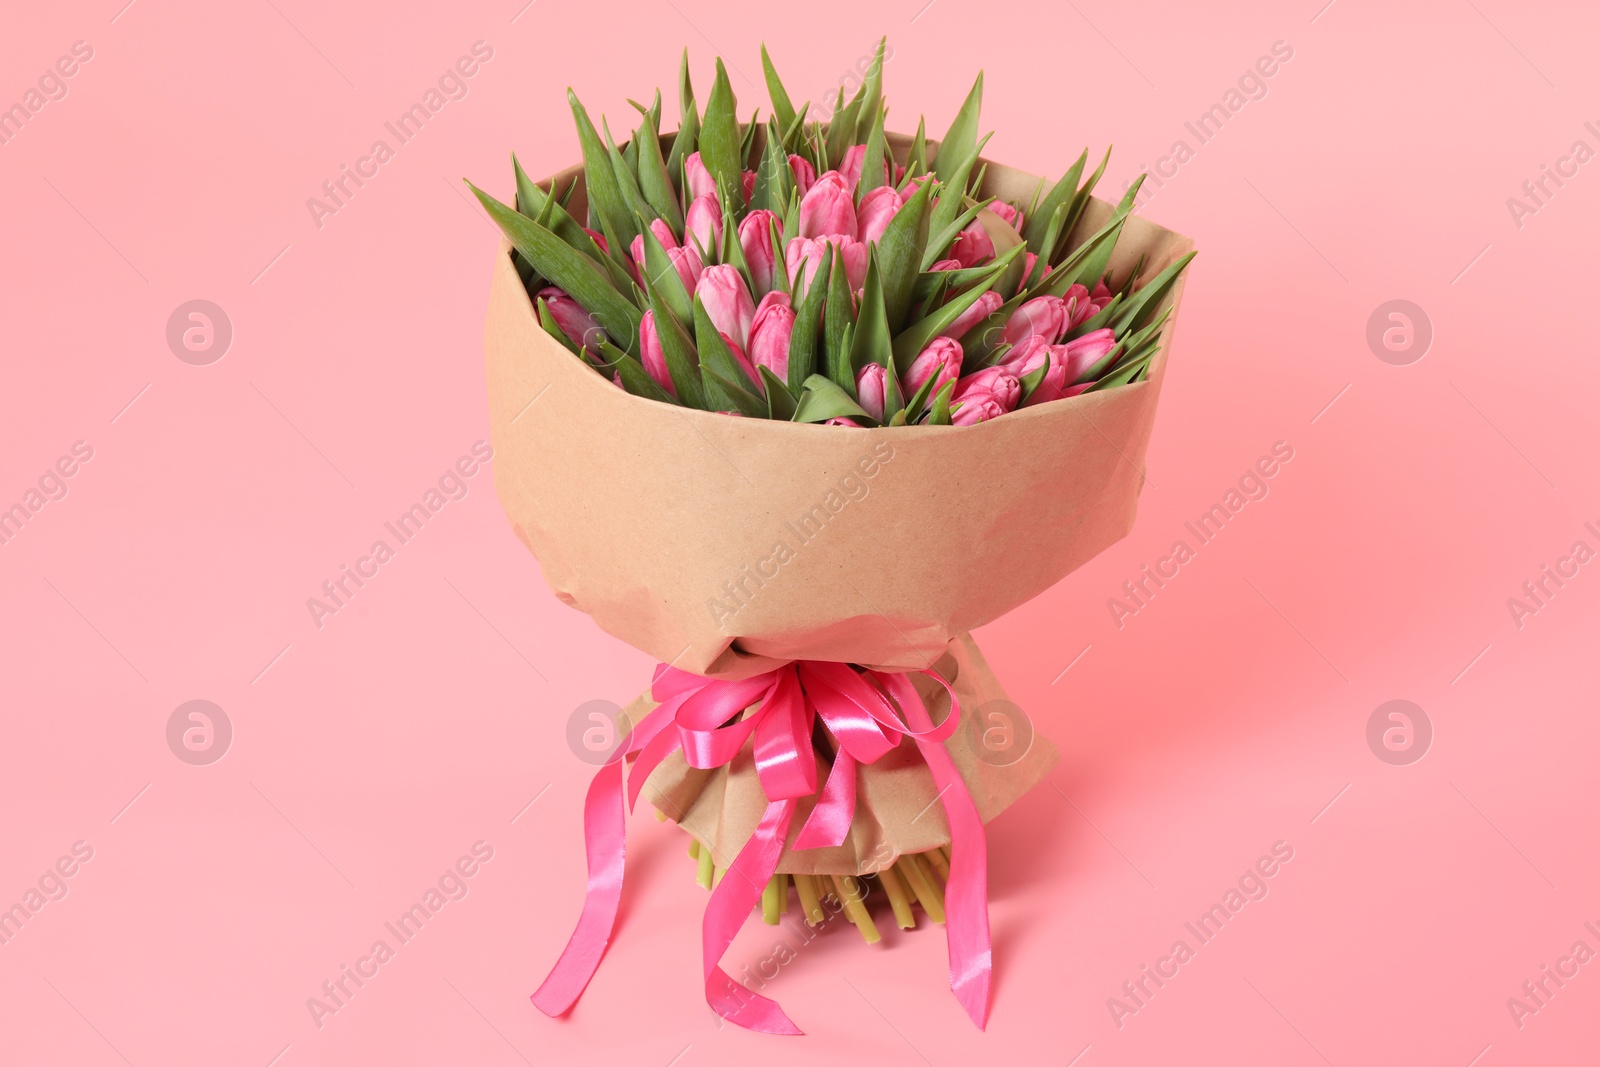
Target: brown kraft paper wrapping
[{"x": 729, "y": 546}]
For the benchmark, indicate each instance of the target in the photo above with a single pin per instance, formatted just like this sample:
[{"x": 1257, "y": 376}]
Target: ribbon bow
[{"x": 702, "y": 716}]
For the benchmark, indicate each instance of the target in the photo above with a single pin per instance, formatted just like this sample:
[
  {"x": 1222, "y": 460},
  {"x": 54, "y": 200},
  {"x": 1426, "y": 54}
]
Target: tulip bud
[
  {"x": 871, "y": 382},
  {"x": 973, "y": 245},
  {"x": 1044, "y": 316},
  {"x": 805, "y": 175},
  {"x": 854, "y": 157},
  {"x": 727, "y": 302},
  {"x": 986, "y": 305},
  {"x": 1029, "y": 260},
  {"x": 1028, "y": 352},
  {"x": 875, "y": 211},
  {"x": 1037, "y": 354},
  {"x": 946, "y": 264},
  {"x": 770, "y": 332},
  {"x": 912, "y": 186},
  {"x": 663, "y": 234},
  {"x": 803, "y": 252},
  {"x": 998, "y": 383},
  {"x": 980, "y": 408},
  {"x": 842, "y": 421},
  {"x": 941, "y": 360},
  {"x": 1009, "y": 213},
  {"x": 576, "y": 323},
  {"x": 747, "y": 183},
  {"x": 599, "y": 239},
  {"x": 745, "y": 365},
  {"x": 702, "y": 225},
  {"x": 1081, "y": 354},
  {"x": 755, "y": 240},
  {"x": 655, "y": 361},
  {"x": 1079, "y": 307},
  {"x": 828, "y": 208},
  {"x": 687, "y": 262},
  {"x": 697, "y": 177}
]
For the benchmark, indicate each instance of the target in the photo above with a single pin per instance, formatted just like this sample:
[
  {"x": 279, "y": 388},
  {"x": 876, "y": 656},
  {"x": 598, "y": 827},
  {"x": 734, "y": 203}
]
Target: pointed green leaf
[
  {"x": 715, "y": 354},
  {"x": 870, "y": 341},
  {"x": 808, "y": 323},
  {"x": 721, "y": 145},
  {"x": 532, "y": 201},
  {"x": 1080, "y": 200},
  {"x": 822, "y": 400},
  {"x": 574, "y": 272},
  {"x": 635, "y": 379},
  {"x": 548, "y": 321},
  {"x": 780, "y": 402},
  {"x": 959, "y": 145},
  {"x": 917, "y": 157},
  {"x": 1145, "y": 300},
  {"x": 782, "y": 109},
  {"x": 940, "y": 413},
  {"x": 901, "y": 250},
  {"x": 835, "y": 326},
  {"x": 872, "y": 161},
  {"x": 655, "y": 182},
  {"x": 1036, "y": 230},
  {"x": 600, "y": 178},
  {"x": 678, "y": 351}
]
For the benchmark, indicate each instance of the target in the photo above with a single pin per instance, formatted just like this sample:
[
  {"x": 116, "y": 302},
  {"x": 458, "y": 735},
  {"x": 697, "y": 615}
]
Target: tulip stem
[
  {"x": 928, "y": 892},
  {"x": 937, "y": 861},
  {"x": 854, "y": 909},
  {"x": 694, "y": 848},
  {"x": 703, "y": 874},
  {"x": 772, "y": 898},
  {"x": 897, "y": 899},
  {"x": 810, "y": 899}
]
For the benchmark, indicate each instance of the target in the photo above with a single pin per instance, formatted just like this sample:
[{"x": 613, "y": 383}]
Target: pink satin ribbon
[{"x": 703, "y": 717}]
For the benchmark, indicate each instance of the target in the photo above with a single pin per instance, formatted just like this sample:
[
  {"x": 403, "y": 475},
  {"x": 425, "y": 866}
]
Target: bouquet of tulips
[
  {"x": 797, "y": 271},
  {"x": 821, "y": 720}
]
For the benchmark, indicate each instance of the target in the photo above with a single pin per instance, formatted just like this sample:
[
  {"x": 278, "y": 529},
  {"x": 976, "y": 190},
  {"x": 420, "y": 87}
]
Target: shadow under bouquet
[{"x": 793, "y": 406}]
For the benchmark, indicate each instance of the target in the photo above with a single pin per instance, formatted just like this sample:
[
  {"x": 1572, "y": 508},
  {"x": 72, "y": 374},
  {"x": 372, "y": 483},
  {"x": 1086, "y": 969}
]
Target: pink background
[{"x": 1228, "y": 714}]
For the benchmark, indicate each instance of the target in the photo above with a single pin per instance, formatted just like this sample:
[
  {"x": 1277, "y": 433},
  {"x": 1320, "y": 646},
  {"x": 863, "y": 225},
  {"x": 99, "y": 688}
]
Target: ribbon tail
[
  {"x": 830, "y": 819},
  {"x": 604, "y": 831},
  {"x": 730, "y": 905},
  {"x": 966, "y": 901}
]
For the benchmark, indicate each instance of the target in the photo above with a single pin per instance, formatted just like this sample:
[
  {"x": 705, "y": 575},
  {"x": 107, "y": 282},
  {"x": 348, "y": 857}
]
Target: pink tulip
[
  {"x": 842, "y": 421},
  {"x": 1010, "y": 214},
  {"x": 871, "y": 383},
  {"x": 1079, "y": 307},
  {"x": 576, "y": 323},
  {"x": 1028, "y": 262},
  {"x": 663, "y": 234},
  {"x": 599, "y": 239},
  {"x": 755, "y": 240},
  {"x": 946, "y": 264},
  {"x": 655, "y": 361},
  {"x": 805, "y": 175},
  {"x": 1028, "y": 352},
  {"x": 973, "y": 245},
  {"x": 747, "y": 182},
  {"x": 978, "y": 409},
  {"x": 697, "y": 177},
  {"x": 807, "y": 252},
  {"x": 854, "y": 158},
  {"x": 941, "y": 360},
  {"x": 727, "y": 302},
  {"x": 986, "y": 305},
  {"x": 875, "y": 211},
  {"x": 702, "y": 225},
  {"x": 1037, "y": 355},
  {"x": 829, "y": 208},
  {"x": 770, "y": 331},
  {"x": 1082, "y": 353},
  {"x": 998, "y": 383},
  {"x": 687, "y": 262},
  {"x": 1044, "y": 316},
  {"x": 1074, "y": 390},
  {"x": 850, "y": 169}
]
